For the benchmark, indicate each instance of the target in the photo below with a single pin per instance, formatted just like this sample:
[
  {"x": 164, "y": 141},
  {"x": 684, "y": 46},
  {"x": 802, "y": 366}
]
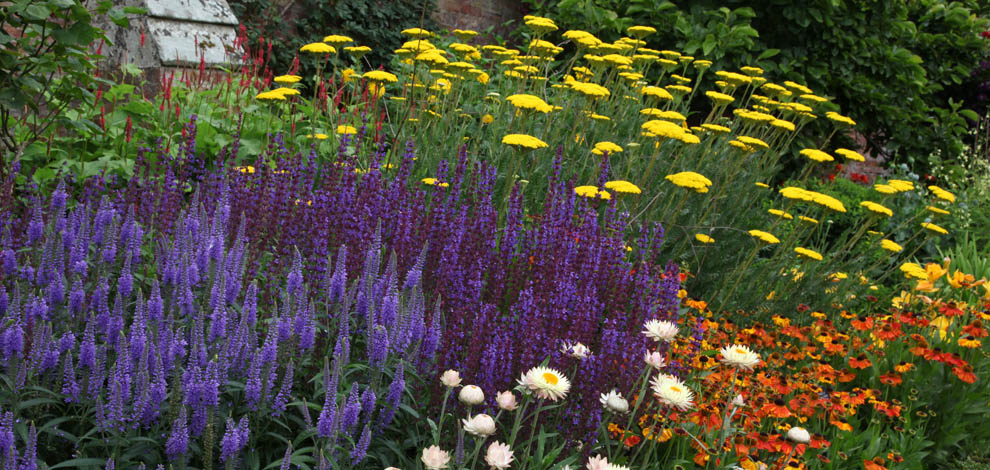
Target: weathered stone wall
[{"x": 478, "y": 15}]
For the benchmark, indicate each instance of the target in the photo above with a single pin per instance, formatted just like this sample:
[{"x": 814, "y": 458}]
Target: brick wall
[{"x": 478, "y": 15}]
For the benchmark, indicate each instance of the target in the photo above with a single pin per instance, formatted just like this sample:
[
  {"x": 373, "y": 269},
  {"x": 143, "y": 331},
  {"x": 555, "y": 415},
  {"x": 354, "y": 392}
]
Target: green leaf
[
  {"x": 969, "y": 114},
  {"x": 80, "y": 462},
  {"x": 708, "y": 45},
  {"x": 768, "y": 53},
  {"x": 37, "y": 12}
]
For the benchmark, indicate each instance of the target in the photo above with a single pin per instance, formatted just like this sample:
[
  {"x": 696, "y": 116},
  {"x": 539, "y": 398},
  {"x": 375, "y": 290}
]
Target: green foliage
[
  {"x": 46, "y": 73},
  {"x": 900, "y": 69}
]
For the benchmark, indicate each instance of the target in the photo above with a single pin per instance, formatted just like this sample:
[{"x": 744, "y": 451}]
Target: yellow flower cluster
[{"x": 690, "y": 180}]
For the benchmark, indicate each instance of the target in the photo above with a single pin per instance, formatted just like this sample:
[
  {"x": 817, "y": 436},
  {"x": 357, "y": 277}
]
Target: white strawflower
[
  {"x": 450, "y": 378},
  {"x": 738, "y": 401},
  {"x": 597, "y": 463},
  {"x": 471, "y": 395},
  {"x": 479, "y": 425},
  {"x": 660, "y": 330},
  {"x": 613, "y": 466},
  {"x": 576, "y": 350},
  {"x": 799, "y": 435},
  {"x": 434, "y": 458},
  {"x": 506, "y": 400},
  {"x": 672, "y": 392},
  {"x": 655, "y": 360},
  {"x": 498, "y": 457},
  {"x": 546, "y": 383},
  {"x": 739, "y": 356},
  {"x": 614, "y": 402}
]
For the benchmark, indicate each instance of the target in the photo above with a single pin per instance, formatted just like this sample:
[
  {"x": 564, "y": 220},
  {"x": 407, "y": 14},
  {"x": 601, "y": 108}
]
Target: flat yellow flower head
[
  {"x": 779, "y": 213},
  {"x": 592, "y": 90},
  {"x": 287, "y": 79},
  {"x": 346, "y": 130},
  {"x": 765, "y": 237},
  {"x": 606, "y": 146},
  {"x": 942, "y": 194},
  {"x": 318, "y": 48},
  {"x": 690, "y": 180},
  {"x": 702, "y": 238},
  {"x": 416, "y": 33},
  {"x": 270, "y": 96},
  {"x": 752, "y": 141},
  {"x": 719, "y": 98},
  {"x": 840, "y": 119},
  {"x": 529, "y": 102},
  {"x": 592, "y": 192},
  {"x": 817, "y": 155},
  {"x": 890, "y": 245},
  {"x": 934, "y": 228},
  {"x": 641, "y": 32},
  {"x": 877, "y": 208},
  {"x": 523, "y": 141},
  {"x": 656, "y": 92},
  {"x": 357, "y": 51},
  {"x": 624, "y": 187},
  {"x": 808, "y": 253},
  {"x": 850, "y": 155},
  {"x": 337, "y": 40},
  {"x": 464, "y": 34},
  {"x": 379, "y": 76}
]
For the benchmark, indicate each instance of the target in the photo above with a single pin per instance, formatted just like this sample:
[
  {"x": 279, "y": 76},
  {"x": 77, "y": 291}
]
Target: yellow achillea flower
[
  {"x": 850, "y": 155},
  {"x": 656, "y": 92},
  {"x": 703, "y": 238},
  {"x": 817, "y": 155},
  {"x": 318, "y": 48},
  {"x": 876, "y": 208},
  {"x": 942, "y": 194},
  {"x": 780, "y": 213},
  {"x": 346, "y": 130},
  {"x": 761, "y": 185},
  {"x": 716, "y": 128},
  {"x": 813, "y": 98},
  {"x": 901, "y": 185},
  {"x": 464, "y": 34},
  {"x": 798, "y": 87},
  {"x": 523, "y": 141},
  {"x": 690, "y": 180},
  {"x": 734, "y": 79},
  {"x": 808, "y": 220},
  {"x": 659, "y": 114},
  {"x": 751, "y": 71},
  {"x": 885, "y": 188},
  {"x": 541, "y": 25},
  {"x": 754, "y": 116},
  {"x": 317, "y": 136},
  {"x": 606, "y": 146},
  {"x": 783, "y": 124},
  {"x": 890, "y": 245},
  {"x": 270, "y": 95},
  {"x": 288, "y": 79},
  {"x": 416, "y": 33},
  {"x": 380, "y": 76},
  {"x": 434, "y": 182},
  {"x": 589, "y": 89},
  {"x": 914, "y": 270},
  {"x": 765, "y": 237},
  {"x": 625, "y": 187},
  {"x": 357, "y": 51},
  {"x": 934, "y": 228},
  {"x": 680, "y": 80},
  {"x": 286, "y": 91},
  {"x": 592, "y": 192},
  {"x": 529, "y": 102},
  {"x": 678, "y": 89},
  {"x": 641, "y": 32},
  {"x": 244, "y": 169},
  {"x": 937, "y": 210},
  {"x": 337, "y": 40},
  {"x": 824, "y": 200},
  {"x": 752, "y": 141},
  {"x": 487, "y": 119},
  {"x": 701, "y": 64},
  {"x": 775, "y": 89},
  {"x": 840, "y": 119},
  {"x": 810, "y": 254},
  {"x": 741, "y": 146},
  {"x": 665, "y": 129}
]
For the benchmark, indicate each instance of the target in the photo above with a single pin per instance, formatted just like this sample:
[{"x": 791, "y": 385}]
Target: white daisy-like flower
[
  {"x": 576, "y": 350},
  {"x": 613, "y": 466},
  {"x": 739, "y": 356},
  {"x": 654, "y": 359},
  {"x": 499, "y": 456},
  {"x": 672, "y": 392},
  {"x": 479, "y": 425},
  {"x": 597, "y": 463},
  {"x": 546, "y": 383},
  {"x": 614, "y": 402},
  {"x": 660, "y": 330}
]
